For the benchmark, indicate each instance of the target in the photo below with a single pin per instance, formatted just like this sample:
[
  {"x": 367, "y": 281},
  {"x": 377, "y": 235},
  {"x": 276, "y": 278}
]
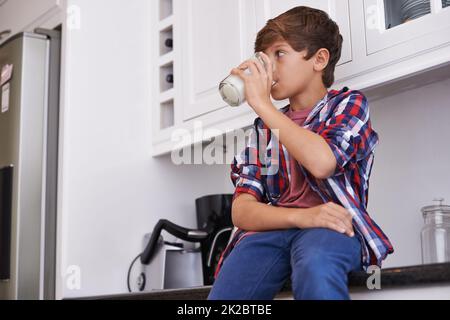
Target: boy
[{"x": 302, "y": 181}]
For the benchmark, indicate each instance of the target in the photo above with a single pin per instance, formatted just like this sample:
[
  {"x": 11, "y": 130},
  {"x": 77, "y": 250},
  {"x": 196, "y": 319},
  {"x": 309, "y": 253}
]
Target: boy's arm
[
  {"x": 250, "y": 211},
  {"x": 307, "y": 147},
  {"x": 249, "y": 214},
  {"x": 349, "y": 132},
  {"x": 338, "y": 144}
]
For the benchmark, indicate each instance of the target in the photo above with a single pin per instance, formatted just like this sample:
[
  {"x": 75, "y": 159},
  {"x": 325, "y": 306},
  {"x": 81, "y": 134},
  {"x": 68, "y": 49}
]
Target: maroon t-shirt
[{"x": 298, "y": 193}]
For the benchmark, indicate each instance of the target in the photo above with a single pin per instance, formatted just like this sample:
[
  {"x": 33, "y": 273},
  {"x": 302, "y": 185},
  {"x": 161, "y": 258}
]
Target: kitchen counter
[{"x": 401, "y": 277}]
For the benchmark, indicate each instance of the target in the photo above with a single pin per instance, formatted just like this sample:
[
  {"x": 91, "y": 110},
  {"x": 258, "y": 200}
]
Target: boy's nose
[{"x": 272, "y": 62}]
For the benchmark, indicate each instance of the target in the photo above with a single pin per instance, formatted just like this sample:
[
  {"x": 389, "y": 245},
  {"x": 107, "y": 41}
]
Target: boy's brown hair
[{"x": 304, "y": 28}]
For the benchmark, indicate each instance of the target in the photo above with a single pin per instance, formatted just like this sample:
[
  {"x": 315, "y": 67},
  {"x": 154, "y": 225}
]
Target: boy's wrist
[
  {"x": 299, "y": 218},
  {"x": 265, "y": 108}
]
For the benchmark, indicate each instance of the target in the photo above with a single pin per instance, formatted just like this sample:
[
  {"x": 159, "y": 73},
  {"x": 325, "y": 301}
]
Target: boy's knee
[
  {"x": 319, "y": 268},
  {"x": 315, "y": 263},
  {"x": 319, "y": 276}
]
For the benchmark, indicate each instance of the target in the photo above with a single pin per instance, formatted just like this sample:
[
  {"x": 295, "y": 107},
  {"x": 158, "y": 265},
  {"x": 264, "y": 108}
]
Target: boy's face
[{"x": 290, "y": 70}]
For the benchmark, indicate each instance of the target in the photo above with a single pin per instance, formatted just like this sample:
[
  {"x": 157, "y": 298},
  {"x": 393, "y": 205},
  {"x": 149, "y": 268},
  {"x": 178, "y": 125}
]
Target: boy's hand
[
  {"x": 258, "y": 84},
  {"x": 328, "y": 215}
]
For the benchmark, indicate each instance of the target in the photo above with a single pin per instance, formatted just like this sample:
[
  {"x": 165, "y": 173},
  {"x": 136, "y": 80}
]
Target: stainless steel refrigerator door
[{"x": 23, "y": 129}]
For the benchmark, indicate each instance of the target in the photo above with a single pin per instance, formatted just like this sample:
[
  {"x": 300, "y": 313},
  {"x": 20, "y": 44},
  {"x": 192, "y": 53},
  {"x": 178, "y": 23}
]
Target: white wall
[
  {"x": 412, "y": 164},
  {"x": 111, "y": 190}
]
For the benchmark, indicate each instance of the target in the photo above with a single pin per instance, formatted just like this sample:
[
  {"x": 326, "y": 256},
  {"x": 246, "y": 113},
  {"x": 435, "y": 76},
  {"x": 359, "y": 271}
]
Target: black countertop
[{"x": 430, "y": 274}]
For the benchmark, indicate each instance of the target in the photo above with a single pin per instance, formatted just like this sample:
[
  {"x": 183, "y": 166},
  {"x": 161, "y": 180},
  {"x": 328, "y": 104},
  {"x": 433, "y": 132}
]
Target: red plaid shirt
[{"x": 342, "y": 119}]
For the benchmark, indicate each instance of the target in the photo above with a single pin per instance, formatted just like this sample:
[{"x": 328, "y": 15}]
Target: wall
[
  {"x": 411, "y": 165},
  {"x": 111, "y": 191}
]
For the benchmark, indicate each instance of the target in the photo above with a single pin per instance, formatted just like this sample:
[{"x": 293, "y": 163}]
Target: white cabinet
[
  {"x": 418, "y": 24},
  {"x": 393, "y": 40},
  {"x": 384, "y": 41},
  {"x": 22, "y": 15},
  {"x": 337, "y": 10},
  {"x": 164, "y": 70},
  {"x": 217, "y": 36},
  {"x": 211, "y": 37}
]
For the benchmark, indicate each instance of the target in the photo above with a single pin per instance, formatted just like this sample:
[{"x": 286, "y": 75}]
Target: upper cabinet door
[
  {"x": 216, "y": 37},
  {"x": 391, "y": 23},
  {"x": 337, "y": 9}
]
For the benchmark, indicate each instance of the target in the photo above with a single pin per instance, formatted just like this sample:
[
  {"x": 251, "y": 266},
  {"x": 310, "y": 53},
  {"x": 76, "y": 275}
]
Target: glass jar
[{"x": 435, "y": 235}]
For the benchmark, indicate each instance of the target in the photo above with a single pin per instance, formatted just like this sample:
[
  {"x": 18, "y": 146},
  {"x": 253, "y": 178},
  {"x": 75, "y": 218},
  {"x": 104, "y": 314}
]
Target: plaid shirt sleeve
[
  {"x": 348, "y": 132},
  {"x": 246, "y": 170}
]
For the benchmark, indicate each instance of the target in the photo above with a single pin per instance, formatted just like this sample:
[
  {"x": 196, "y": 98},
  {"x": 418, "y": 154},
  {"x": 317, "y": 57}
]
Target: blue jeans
[{"x": 317, "y": 259}]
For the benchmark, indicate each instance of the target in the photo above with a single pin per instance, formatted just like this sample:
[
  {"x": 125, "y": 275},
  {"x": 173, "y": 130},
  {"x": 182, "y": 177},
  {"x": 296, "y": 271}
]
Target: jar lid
[{"x": 438, "y": 208}]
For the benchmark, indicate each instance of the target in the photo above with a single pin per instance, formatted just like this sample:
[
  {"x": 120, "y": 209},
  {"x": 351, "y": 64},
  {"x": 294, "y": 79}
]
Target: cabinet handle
[{"x": 4, "y": 33}]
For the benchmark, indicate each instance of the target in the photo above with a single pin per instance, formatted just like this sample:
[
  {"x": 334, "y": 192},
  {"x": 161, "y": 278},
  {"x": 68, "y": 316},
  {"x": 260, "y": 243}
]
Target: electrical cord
[{"x": 129, "y": 271}]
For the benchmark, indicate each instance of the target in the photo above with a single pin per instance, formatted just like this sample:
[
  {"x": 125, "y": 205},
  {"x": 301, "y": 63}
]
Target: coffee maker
[
  {"x": 213, "y": 216},
  {"x": 168, "y": 265}
]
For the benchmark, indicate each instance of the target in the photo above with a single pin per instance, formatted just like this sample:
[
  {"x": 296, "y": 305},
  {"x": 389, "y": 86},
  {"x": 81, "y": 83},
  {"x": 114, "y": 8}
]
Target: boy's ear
[{"x": 321, "y": 59}]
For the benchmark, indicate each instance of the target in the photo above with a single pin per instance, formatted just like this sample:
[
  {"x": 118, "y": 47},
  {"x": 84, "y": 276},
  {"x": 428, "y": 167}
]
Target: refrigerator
[{"x": 29, "y": 117}]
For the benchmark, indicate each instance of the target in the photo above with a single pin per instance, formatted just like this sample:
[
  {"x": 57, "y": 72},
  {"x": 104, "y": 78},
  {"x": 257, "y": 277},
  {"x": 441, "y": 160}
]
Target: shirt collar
[{"x": 320, "y": 104}]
